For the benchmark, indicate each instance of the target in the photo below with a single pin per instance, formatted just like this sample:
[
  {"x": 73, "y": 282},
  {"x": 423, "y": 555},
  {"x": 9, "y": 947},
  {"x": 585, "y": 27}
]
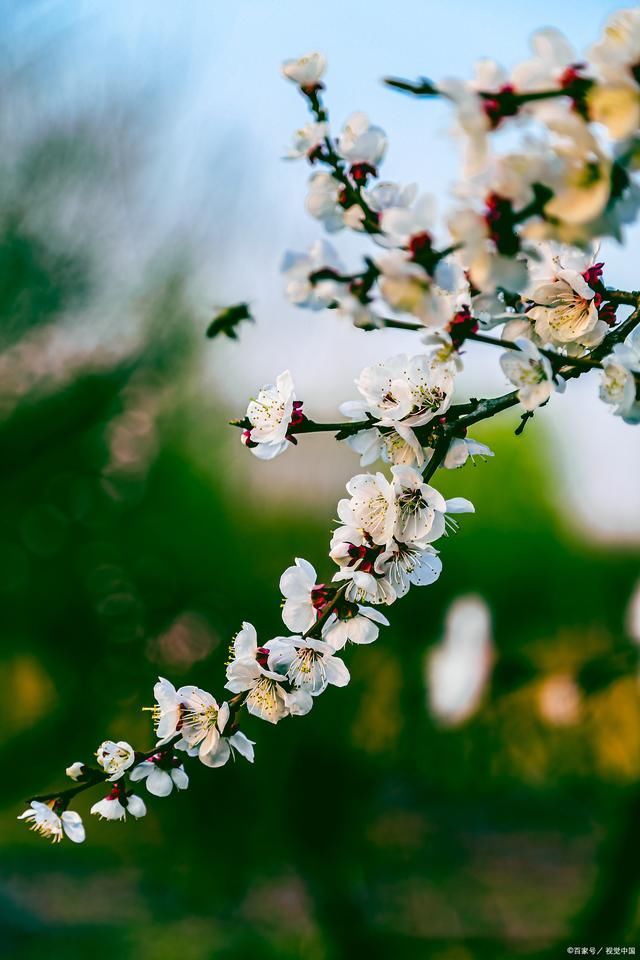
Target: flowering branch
[{"x": 517, "y": 252}]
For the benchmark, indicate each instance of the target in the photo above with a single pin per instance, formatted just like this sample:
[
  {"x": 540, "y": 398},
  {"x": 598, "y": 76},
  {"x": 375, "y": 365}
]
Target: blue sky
[{"x": 215, "y": 117}]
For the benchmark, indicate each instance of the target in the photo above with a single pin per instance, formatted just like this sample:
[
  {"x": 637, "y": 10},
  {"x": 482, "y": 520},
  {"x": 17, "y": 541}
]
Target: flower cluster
[{"x": 517, "y": 254}]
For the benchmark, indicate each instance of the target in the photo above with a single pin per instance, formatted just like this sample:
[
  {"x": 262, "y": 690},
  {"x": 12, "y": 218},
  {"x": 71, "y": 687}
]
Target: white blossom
[
  {"x": 488, "y": 268},
  {"x": 191, "y": 713},
  {"x": 298, "y": 702},
  {"x": 116, "y": 806},
  {"x": 472, "y": 119},
  {"x": 420, "y": 508},
  {"x": 230, "y": 745},
  {"x": 202, "y": 722},
  {"x": 297, "y": 585},
  {"x": 581, "y": 184},
  {"x": 616, "y": 107},
  {"x": 45, "y": 821},
  {"x": 461, "y": 449},
  {"x": 310, "y": 664},
  {"x": 160, "y": 776},
  {"x": 386, "y": 195},
  {"x": 349, "y": 546},
  {"x": 552, "y": 55},
  {"x": 307, "y": 139},
  {"x": 298, "y": 267},
  {"x": 404, "y": 390},
  {"x": 323, "y": 201},
  {"x": 371, "y": 507},
  {"x": 619, "y": 383},
  {"x": 404, "y": 564},
  {"x": 393, "y": 445},
  {"x": 565, "y": 309},
  {"x": 360, "y": 142},
  {"x": 359, "y": 625},
  {"x": 270, "y": 418},
  {"x": 401, "y": 223},
  {"x": 306, "y": 71},
  {"x": 407, "y": 288},
  {"x": 531, "y": 372},
  {"x": 617, "y": 54},
  {"x": 252, "y": 671},
  {"x": 167, "y": 713},
  {"x": 365, "y": 587},
  {"x": 615, "y": 100},
  {"x": 115, "y": 758}
]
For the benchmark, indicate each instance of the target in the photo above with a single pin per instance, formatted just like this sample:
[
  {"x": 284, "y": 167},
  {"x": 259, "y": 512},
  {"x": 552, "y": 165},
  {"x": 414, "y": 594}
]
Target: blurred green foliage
[{"x": 128, "y": 549}]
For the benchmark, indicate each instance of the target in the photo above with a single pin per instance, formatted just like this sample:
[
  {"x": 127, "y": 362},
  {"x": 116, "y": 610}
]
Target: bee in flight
[{"x": 228, "y": 319}]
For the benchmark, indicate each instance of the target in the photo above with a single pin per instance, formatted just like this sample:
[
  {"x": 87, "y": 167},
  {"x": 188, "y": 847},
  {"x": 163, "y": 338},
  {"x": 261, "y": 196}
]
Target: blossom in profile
[
  {"x": 116, "y": 805},
  {"x": 306, "y": 71},
  {"x": 302, "y": 596},
  {"x": 307, "y": 139},
  {"x": 44, "y": 820},
  {"x": 271, "y": 416},
  {"x": 463, "y": 449}
]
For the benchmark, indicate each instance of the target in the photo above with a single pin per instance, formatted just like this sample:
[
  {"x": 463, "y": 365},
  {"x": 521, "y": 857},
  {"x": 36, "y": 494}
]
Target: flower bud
[{"x": 76, "y": 771}]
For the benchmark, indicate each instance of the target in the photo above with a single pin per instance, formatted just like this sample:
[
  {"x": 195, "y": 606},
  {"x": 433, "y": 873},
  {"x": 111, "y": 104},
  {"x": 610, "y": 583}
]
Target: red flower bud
[
  {"x": 262, "y": 656},
  {"x": 360, "y": 172}
]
